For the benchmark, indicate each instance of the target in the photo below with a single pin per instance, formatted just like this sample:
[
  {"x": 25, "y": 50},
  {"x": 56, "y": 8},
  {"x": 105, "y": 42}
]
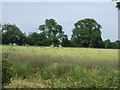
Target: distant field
[{"x": 53, "y": 67}]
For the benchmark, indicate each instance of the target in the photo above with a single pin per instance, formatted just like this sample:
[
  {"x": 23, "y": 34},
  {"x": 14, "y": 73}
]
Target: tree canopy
[
  {"x": 86, "y": 33},
  {"x": 117, "y": 4},
  {"x": 12, "y": 34},
  {"x": 52, "y": 31}
]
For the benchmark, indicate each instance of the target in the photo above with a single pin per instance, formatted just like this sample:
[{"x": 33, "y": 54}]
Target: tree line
[{"x": 86, "y": 33}]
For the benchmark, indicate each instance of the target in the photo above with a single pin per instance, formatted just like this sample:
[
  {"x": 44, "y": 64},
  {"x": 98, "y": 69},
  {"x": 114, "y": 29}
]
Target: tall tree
[
  {"x": 86, "y": 33},
  {"x": 12, "y": 34},
  {"x": 52, "y": 31}
]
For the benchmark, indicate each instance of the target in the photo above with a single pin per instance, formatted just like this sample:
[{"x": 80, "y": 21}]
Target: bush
[{"x": 7, "y": 70}]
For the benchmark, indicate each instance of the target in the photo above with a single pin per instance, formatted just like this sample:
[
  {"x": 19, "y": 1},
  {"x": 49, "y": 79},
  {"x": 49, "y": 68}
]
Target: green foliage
[
  {"x": 118, "y": 5},
  {"x": 87, "y": 33},
  {"x": 52, "y": 31},
  {"x": 113, "y": 45},
  {"x": 12, "y": 34},
  {"x": 36, "y": 39},
  {"x": 65, "y": 68},
  {"x": 7, "y": 70},
  {"x": 81, "y": 77},
  {"x": 22, "y": 70}
]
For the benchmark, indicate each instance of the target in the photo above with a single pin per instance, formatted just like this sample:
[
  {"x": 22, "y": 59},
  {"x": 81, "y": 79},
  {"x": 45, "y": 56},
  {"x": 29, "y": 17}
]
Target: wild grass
[{"x": 65, "y": 67}]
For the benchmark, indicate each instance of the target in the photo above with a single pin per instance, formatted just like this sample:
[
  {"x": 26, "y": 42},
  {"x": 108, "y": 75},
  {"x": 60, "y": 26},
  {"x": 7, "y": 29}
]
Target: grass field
[{"x": 53, "y": 67}]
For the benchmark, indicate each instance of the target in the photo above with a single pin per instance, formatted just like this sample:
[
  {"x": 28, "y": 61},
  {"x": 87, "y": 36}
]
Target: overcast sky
[{"x": 29, "y": 15}]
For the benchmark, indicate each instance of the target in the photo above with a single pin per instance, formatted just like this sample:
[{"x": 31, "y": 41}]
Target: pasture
[{"x": 54, "y": 67}]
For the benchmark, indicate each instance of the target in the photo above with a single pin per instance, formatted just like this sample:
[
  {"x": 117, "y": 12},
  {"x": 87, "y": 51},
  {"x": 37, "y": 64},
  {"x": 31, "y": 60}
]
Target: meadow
[{"x": 55, "y": 67}]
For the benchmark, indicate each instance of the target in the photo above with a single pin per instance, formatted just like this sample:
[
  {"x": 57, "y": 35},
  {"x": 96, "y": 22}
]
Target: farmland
[{"x": 55, "y": 67}]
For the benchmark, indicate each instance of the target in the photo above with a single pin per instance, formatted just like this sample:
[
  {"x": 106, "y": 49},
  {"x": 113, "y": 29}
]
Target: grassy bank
[{"x": 53, "y": 67}]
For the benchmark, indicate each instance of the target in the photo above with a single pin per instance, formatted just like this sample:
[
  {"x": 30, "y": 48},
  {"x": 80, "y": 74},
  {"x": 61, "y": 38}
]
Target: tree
[
  {"x": 37, "y": 39},
  {"x": 110, "y": 45},
  {"x": 86, "y": 33},
  {"x": 64, "y": 41},
  {"x": 12, "y": 34},
  {"x": 52, "y": 31},
  {"x": 107, "y": 43},
  {"x": 117, "y": 4},
  {"x": 115, "y": 45}
]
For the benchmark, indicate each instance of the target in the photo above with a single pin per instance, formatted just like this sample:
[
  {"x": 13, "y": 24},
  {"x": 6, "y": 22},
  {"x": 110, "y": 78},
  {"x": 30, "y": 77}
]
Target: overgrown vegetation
[
  {"x": 53, "y": 67},
  {"x": 7, "y": 70}
]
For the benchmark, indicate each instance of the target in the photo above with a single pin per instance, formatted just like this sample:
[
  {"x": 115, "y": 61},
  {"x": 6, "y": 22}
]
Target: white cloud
[{"x": 56, "y": 0}]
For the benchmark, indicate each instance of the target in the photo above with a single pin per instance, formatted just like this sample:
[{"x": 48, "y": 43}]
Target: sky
[
  {"x": 56, "y": 0},
  {"x": 29, "y": 15}
]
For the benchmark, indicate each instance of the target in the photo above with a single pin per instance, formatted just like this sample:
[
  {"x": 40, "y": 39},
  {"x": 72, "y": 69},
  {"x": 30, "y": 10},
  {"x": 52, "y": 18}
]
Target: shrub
[{"x": 7, "y": 70}]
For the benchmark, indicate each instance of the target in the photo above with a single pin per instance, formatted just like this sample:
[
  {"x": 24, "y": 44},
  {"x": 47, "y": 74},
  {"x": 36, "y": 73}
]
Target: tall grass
[{"x": 65, "y": 67}]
